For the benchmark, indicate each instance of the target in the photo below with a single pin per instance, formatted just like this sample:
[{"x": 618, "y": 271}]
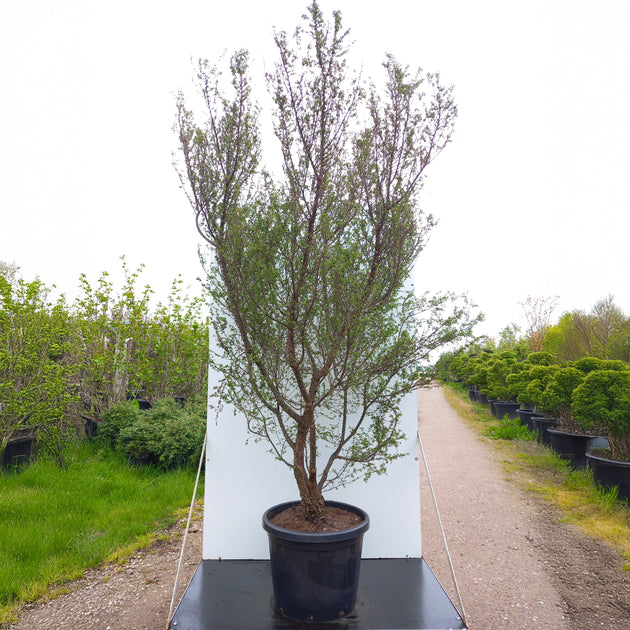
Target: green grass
[
  {"x": 597, "y": 512},
  {"x": 55, "y": 523},
  {"x": 508, "y": 429}
]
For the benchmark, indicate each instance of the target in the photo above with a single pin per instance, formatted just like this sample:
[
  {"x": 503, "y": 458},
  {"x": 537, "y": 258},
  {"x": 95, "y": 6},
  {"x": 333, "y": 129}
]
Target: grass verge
[
  {"x": 55, "y": 523},
  {"x": 537, "y": 469}
]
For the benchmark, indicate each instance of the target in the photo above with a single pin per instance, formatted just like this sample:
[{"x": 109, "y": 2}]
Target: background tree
[
  {"x": 538, "y": 311},
  {"x": 602, "y": 332},
  {"x": 9, "y": 271},
  {"x": 37, "y": 365},
  {"x": 319, "y": 336}
]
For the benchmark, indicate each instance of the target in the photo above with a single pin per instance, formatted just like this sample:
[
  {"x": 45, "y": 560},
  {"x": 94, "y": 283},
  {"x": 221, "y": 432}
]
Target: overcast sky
[{"x": 532, "y": 196}]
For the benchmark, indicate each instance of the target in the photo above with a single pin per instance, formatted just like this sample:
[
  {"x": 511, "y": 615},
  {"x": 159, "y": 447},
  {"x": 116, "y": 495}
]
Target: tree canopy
[{"x": 319, "y": 332}]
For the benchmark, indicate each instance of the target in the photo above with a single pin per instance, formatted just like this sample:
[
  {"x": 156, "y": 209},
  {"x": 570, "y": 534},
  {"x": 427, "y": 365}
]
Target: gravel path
[{"x": 517, "y": 565}]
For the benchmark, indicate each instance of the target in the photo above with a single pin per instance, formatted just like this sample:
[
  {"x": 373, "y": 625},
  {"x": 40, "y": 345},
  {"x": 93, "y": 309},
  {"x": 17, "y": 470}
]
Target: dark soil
[
  {"x": 334, "y": 520},
  {"x": 588, "y": 574}
]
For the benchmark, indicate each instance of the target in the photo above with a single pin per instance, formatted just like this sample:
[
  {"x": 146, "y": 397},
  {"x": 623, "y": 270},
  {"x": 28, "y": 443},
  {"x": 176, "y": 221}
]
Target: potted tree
[
  {"x": 319, "y": 336},
  {"x": 602, "y": 401}
]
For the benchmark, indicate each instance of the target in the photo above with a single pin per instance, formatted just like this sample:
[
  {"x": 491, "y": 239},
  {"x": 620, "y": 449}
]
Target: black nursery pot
[
  {"x": 570, "y": 446},
  {"x": 541, "y": 424},
  {"x": 526, "y": 416},
  {"x": 315, "y": 575},
  {"x": 508, "y": 407},
  {"x": 609, "y": 472}
]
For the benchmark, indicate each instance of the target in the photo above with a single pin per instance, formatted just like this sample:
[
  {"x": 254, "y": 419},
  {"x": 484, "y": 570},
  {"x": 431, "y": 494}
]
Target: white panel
[{"x": 242, "y": 480}]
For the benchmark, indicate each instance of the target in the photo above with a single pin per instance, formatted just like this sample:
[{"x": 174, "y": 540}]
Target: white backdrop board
[{"x": 243, "y": 479}]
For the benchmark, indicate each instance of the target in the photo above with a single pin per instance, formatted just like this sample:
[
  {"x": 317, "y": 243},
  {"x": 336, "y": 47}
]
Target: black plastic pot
[
  {"x": 18, "y": 453},
  {"x": 541, "y": 424},
  {"x": 609, "y": 472},
  {"x": 526, "y": 416},
  {"x": 91, "y": 425},
  {"x": 508, "y": 407},
  {"x": 315, "y": 575},
  {"x": 491, "y": 402},
  {"x": 570, "y": 446},
  {"x": 482, "y": 398},
  {"x": 472, "y": 394}
]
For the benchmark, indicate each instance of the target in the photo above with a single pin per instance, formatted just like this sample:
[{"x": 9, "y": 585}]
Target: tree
[
  {"x": 602, "y": 332},
  {"x": 608, "y": 322},
  {"x": 9, "y": 271},
  {"x": 509, "y": 338},
  {"x": 38, "y": 365},
  {"x": 538, "y": 311},
  {"x": 318, "y": 332}
]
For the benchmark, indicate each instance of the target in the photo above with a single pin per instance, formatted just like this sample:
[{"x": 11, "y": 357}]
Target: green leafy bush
[
  {"x": 538, "y": 377},
  {"x": 556, "y": 396},
  {"x": 603, "y": 400},
  {"x": 499, "y": 368},
  {"x": 520, "y": 375},
  {"x": 167, "y": 435},
  {"x": 38, "y": 365},
  {"x": 117, "y": 418}
]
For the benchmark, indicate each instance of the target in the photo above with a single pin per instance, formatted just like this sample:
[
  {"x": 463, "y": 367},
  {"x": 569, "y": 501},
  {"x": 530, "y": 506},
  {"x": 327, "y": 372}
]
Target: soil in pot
[
  {"x": 609, "y": 472},
  {"x": 315, "y": 575},
  {"x": 334, "y": 519}
]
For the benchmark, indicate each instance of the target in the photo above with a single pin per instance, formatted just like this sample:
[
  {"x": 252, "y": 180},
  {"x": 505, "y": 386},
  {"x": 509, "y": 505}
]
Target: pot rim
[
  {"x": 315, "y": 537},
  {"x": 590, "y": 455},
  {"x": 572, "y": 433}
]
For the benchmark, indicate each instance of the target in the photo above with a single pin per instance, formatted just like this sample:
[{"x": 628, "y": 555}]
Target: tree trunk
[{"x": 310, "y": 492}]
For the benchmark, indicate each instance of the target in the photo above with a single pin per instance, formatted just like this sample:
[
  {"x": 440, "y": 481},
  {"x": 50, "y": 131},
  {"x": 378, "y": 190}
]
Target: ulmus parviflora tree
[{"x": 319, "y": 334}]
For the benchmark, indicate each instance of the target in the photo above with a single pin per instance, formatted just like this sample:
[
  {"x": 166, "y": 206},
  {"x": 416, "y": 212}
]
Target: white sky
[{"x": 533, "y": 195}]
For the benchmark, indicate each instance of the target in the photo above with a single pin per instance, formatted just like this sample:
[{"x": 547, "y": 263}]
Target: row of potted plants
[
  {"x": 581, "y": 409},
  {"x": 63, "y": 364}
]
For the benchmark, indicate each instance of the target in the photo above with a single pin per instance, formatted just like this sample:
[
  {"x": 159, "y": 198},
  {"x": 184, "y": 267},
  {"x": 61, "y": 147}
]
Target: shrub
[
  {"x": 499, "y": 367},
  {"x": 37, "y": 365},
  {"x": 539, "y": 378},
  {"x": 556, "y": 397},
  {"x": 520, "y": 376},
  {"x": 603, "y": 399},
  {"x": 117, "y": 418},
  {"x": 167, "y": 435}
]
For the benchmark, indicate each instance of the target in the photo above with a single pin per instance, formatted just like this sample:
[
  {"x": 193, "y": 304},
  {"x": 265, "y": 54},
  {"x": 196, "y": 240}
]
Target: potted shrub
[
  {"x": 478, "y": 379},
  {"x": 518, "y": 380},
  {"x": 318, "y": 334},
  {"x": 562, "y": 431},
  {"x": 567, "y": 437},
  {"x": 602, "y": 401},
  {"x": 497, "y": 388}
]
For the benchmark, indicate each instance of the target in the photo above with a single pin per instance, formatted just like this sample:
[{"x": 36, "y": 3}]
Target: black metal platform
[{"x": 394, "y": 593}]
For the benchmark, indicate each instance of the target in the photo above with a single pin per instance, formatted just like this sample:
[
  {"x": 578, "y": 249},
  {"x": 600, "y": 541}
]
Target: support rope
[
  {"x": 181, "y": 555},
  {"x": 439, "y": 519}
]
